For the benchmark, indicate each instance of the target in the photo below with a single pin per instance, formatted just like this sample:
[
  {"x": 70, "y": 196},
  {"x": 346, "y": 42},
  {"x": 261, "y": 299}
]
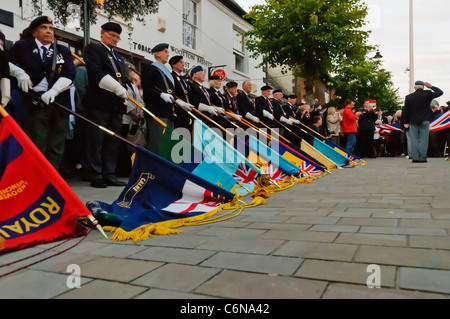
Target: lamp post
[{"x": 411, "y": 47}]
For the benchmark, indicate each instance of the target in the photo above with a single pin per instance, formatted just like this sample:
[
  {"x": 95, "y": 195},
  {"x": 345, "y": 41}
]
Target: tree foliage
[
  {"x": 366, "y": 80},
  {"x": 310, "y": 37},
  {"x": 126, "y": 9}
]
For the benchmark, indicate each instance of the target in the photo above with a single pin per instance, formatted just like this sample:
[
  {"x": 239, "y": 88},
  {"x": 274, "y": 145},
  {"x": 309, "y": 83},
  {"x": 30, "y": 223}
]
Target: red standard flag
[{"x": 36, "y": 204}]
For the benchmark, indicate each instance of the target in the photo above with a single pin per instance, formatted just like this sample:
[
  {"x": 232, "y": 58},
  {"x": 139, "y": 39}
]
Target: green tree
[
  {"x": 366, "y": 80},
  {"x": 309, "y": 37},
  {"x": 126, "y": 9}
]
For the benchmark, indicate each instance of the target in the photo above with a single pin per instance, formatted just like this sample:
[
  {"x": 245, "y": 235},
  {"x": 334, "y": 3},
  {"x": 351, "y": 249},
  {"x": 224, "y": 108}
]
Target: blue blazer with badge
[
  {"x": 99, "y": 63},
  {"x": 26, "y": 55}
]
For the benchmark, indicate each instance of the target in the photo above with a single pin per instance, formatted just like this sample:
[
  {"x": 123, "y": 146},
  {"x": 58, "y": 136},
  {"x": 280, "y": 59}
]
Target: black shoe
[
  {"x": 414, "y": 161},
  {"x": 425, "y": 161},
  {"x": 114, "y": 182},
  {"x": 98, "y": 183}
]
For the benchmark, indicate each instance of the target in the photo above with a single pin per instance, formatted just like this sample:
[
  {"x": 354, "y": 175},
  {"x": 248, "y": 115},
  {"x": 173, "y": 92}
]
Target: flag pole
[
  {"x": 104, "y": 129},
  {"x": 146, "y": 111},
  {"x": 3, "y": 111},
  {"x": 129, "y": 98},
  {"x": 255, "y": 128}
]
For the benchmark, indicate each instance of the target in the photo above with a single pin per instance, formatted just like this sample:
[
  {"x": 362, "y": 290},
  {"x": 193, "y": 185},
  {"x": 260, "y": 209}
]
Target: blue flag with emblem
[{"x": 159, "y": 196}]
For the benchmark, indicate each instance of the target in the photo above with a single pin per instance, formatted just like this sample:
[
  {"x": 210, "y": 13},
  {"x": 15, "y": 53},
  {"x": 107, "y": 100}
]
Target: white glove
[
  {"x": 251, "y": 117},
  {"x": 219, "y": 110},
  {"x": 295, "y": 121},
  {"x": 5, "y": 85},
  {"x": 268, "y": 115},
  {"x": 60, "y": 85},
  {"x": 285, "y": 120},
  {"x": 168, "y": 98},
  {"x": 206, "y": 108},
  {"x": 109, "y": 84},
  {"x": 23, "y": 79},
  {"x": 184, "y": 105}
]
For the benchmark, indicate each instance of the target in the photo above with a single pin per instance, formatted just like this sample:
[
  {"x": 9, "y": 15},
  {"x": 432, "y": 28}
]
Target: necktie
[
  {"x": 44, "y": 53},
  {"x": 270, "y": 104}
]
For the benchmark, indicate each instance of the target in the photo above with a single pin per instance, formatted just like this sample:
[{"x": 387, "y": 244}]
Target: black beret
[
  {"x": 277, "y": 91},
  {"x": 292, "y": 96},
  {"x": 196, "y": 69},
  {"x": 175, "y": 59},
  {"x": 215, "y": 77},
  {"x": 159, "y": 47},
  {"x": 112, "y": 26},
  {"x": 231, "y": 85},
  {"x": 265, "y": 88},
  {"x": 40, "y": 20}
]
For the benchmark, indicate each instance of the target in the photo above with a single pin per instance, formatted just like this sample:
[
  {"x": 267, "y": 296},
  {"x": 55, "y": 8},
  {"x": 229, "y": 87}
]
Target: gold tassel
[{"x": 2, "y": 243}]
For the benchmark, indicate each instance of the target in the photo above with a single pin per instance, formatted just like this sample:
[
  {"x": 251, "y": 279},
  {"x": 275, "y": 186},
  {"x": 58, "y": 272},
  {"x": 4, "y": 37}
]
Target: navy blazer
[
  {"x": 417, "y": 106},
  {"x": 261, "y": 104},
  {"x": 278, "y": 110},
  {"x": 244, "y": 104},
  {"x": 197, "y": 95},
  {"x": 26, "y": 55},
  {"x": 99, "y": 64},
  {"x": 216, "y": 97},
  {"x": 153, "y": 84}
]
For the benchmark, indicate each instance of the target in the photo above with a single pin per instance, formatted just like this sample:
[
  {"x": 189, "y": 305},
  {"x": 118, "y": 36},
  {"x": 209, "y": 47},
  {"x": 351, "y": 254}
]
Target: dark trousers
[
  {"x": 47, "y": 127},
  {"x": 365, "y": 143},
  {"x": 102, "y": 149},
  {"x": 419, "y": 135}
]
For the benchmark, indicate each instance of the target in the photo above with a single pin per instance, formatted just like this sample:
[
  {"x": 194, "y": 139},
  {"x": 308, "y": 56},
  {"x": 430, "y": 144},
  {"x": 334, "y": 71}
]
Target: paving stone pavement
[{"x": 312, "y": 241}]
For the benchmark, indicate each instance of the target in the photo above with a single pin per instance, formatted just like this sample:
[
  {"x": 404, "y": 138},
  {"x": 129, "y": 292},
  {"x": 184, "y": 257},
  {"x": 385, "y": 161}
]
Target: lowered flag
[
  {"x": 177, "y": 149},
  {"x": 274, "y": 158},
  {"x": 216, "y": 149},
  {"x": 36, "y": 204},
  {"x": 334, "y": 155},
  {"x": 159, "y": 196},
  {"x": 308, "y": 166}
]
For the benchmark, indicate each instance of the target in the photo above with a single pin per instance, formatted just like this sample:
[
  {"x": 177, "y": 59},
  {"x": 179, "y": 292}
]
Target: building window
[
  {"x": 239, "y": 51},
  {"x": 189, "y": 23},
  {"x": 239, "y": 64},
  {"x": 239, "y": 41}
]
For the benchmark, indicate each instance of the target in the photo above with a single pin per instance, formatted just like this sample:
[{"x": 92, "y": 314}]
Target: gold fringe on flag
[{"x": 145, "y": 232}]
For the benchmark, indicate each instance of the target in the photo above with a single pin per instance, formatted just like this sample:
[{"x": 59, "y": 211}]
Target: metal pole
[
  {"x": 86, "y": 25},
  {"x": 411, "y": 46}
]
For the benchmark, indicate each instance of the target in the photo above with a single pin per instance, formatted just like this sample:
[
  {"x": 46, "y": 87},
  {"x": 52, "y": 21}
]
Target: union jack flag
[
  {"x": 442, "y": 122},
  {"x": 390, "y": 127},
  {"x": 245, "y": 175},
  {"x": 309, "y": 169},
  {"x": 276, "y": 174}
]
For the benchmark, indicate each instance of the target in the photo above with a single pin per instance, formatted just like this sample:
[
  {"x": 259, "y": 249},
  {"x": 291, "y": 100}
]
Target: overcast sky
[{"x": 390, "y": 30}]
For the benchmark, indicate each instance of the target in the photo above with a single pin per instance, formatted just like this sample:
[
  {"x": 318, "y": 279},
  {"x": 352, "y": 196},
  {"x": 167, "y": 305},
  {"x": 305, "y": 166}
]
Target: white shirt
[{"x": 43, "y": 85}]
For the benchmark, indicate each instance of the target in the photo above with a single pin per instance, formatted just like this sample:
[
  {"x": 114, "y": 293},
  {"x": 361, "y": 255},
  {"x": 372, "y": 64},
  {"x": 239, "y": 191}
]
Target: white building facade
[{"x": 205, "y": 32}]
